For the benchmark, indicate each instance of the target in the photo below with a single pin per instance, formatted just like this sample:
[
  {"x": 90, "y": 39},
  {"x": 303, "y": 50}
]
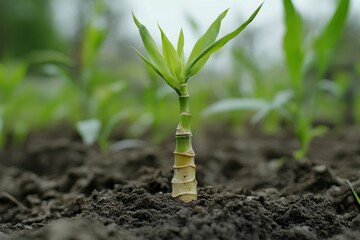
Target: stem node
[{"x": 184, "y": 184}]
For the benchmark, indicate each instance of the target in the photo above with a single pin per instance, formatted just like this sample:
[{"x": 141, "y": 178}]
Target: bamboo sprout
[
  {"x": 173, "y": 68},
  {"x": 184, "y": 184}
]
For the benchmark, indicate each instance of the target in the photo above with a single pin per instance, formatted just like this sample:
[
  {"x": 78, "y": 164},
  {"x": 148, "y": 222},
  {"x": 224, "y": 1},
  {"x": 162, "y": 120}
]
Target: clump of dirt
[{"x": 250, "y": 188}]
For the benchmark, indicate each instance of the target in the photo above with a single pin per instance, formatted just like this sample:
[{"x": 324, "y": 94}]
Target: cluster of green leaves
[
  {"x": 22, "y": 107},
  {"x": 171, "y": 64},
  {"x": 100, "y": 93},
  {"x": 295, "y": 105},
  {"x": 95, "y": 92},
  {"x": 82, "y": 92},
  {"x": 21, "y": 19},
  {"x": 303, "y": 106},
  {"x": 252, "y": 91},
  {"x": 92, "y": 97}
]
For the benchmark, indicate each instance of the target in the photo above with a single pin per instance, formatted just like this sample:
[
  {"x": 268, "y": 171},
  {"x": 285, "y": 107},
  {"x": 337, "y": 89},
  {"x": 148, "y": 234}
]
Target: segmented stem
[{"x": 184, "y": 184}]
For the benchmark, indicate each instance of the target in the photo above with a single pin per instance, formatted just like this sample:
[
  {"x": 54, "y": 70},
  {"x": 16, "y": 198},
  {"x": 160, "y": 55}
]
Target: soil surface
[{"x": 53, "y": 187}]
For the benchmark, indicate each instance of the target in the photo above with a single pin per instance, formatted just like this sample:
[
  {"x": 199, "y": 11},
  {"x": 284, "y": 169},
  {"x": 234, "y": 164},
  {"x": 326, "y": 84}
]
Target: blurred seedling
[
  {"x": 303, "y": 105},
  {"x": 95, "y": 114},
  {"x": 176, "y": 71},
  {"x": 354, "y": 192},
  {"x": 11, "y": 99},
  {"x": 298, "y": 104}
]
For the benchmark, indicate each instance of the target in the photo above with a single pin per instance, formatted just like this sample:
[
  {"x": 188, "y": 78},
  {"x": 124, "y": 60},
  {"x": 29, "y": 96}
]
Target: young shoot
[
  {"x": 303, "y": 105},
  {"x": 170, "y": 64},
  {"x": 354, "y": 192}
]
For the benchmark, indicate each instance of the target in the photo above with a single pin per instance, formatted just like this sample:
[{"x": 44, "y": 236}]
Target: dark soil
[{"x": 55, "y": 188}]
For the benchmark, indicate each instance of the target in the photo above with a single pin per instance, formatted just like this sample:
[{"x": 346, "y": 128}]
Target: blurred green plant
[
  {"x": 297, "y": 105},
  {"x": 90, "y": 93},
  {"x": 176, "y": 71},
  {"x": 262, "y": 106},
  {"x": 96, "y": 93},
  {"x": 354, "y": 192},
  {"x": 27, "y": 19},
  {"x": 303, "y": 105},
  {"x": 156, "y": 100},
  {"x": 340, "y": 89},
  {"x": 253, "y": 89},
  {"x": 11, "y": 97}
]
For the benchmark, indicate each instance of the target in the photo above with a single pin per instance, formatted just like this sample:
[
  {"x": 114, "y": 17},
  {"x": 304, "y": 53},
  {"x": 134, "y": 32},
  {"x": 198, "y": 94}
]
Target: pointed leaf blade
[
  {"x": 180, "y": 45},
  {"x": 172, "y": 58},
  {"x": 282, "y": 98},
  {"x": 196, "y": 65},
  {"x": 261, "y": 114},
  {"x": 354, "y": 192},
  {"x": 169, "y": 81},
  {"x": 327, "y": 40},
  {"x": 180, "y": 50},
  {"x": 208, "y": 38},
  {"x": 153, "y": 52},
  {"x": 293, "y": 43},
  {"x": 235, "y": 104}
]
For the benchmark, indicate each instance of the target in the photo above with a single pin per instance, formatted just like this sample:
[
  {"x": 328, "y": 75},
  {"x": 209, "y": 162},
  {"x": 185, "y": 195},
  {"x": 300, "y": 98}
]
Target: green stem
[{"x": 184, "y": 184}]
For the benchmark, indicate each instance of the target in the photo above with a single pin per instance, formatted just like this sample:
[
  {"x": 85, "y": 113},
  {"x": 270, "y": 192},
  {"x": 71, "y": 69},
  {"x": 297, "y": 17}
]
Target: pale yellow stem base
[{"x": 184, "y": 184}]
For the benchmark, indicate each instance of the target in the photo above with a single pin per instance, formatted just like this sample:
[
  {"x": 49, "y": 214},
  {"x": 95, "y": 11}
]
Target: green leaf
[
  {"x": 293, "y": 44},
  {"x": 89, "y": 130},
  {"x": 261, "y": 114},
  {"x": 95, "y": 34},
  {"x": 169, "y": 81},
  {"x": 282, "y": 98},
  {"x": 354, "y": 192},
  {"x": 11, "y": 75},
  {"x": 331, "y": 87},
  {"x": 235, "y": 104},
  {"x": 208, "y": 38},
  {"x": 192, "y": 22},
  {"x": 172, "y": 59},
  {"x": 180, "y": 47},
  {"x": 326, "y": 41},
  {"x": 304, "y": 134},
  {"x": 110, "y": 126},
  {"x": 127, "y": 144},
  {"x": 152, "y": 50},
  {"x": 49, "y": 56},
  {"x": 318, "y": 131},
  {"x": 113, "y": 122},
  {"x": 1, "y": 124},
  {"x": 277, "y": 104},
  {"x": 199, "y": 61},
  {"x": 357, "y": 68}
]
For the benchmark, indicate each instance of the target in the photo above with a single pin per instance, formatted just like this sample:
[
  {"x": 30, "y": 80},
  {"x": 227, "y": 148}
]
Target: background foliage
[{"x": 93, "y": 82}]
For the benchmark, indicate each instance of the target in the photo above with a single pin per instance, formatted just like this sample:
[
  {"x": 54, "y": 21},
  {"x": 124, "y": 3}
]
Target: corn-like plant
[
  {"x": 176, "y": 71},
  {"x": 94, "y": 90},
  {"x": 88, "y": 94},
  {"x": 302, "y": 106}
]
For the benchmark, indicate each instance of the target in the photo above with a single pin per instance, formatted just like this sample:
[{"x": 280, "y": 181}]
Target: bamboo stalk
[{"x": 184, "y": 184}]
